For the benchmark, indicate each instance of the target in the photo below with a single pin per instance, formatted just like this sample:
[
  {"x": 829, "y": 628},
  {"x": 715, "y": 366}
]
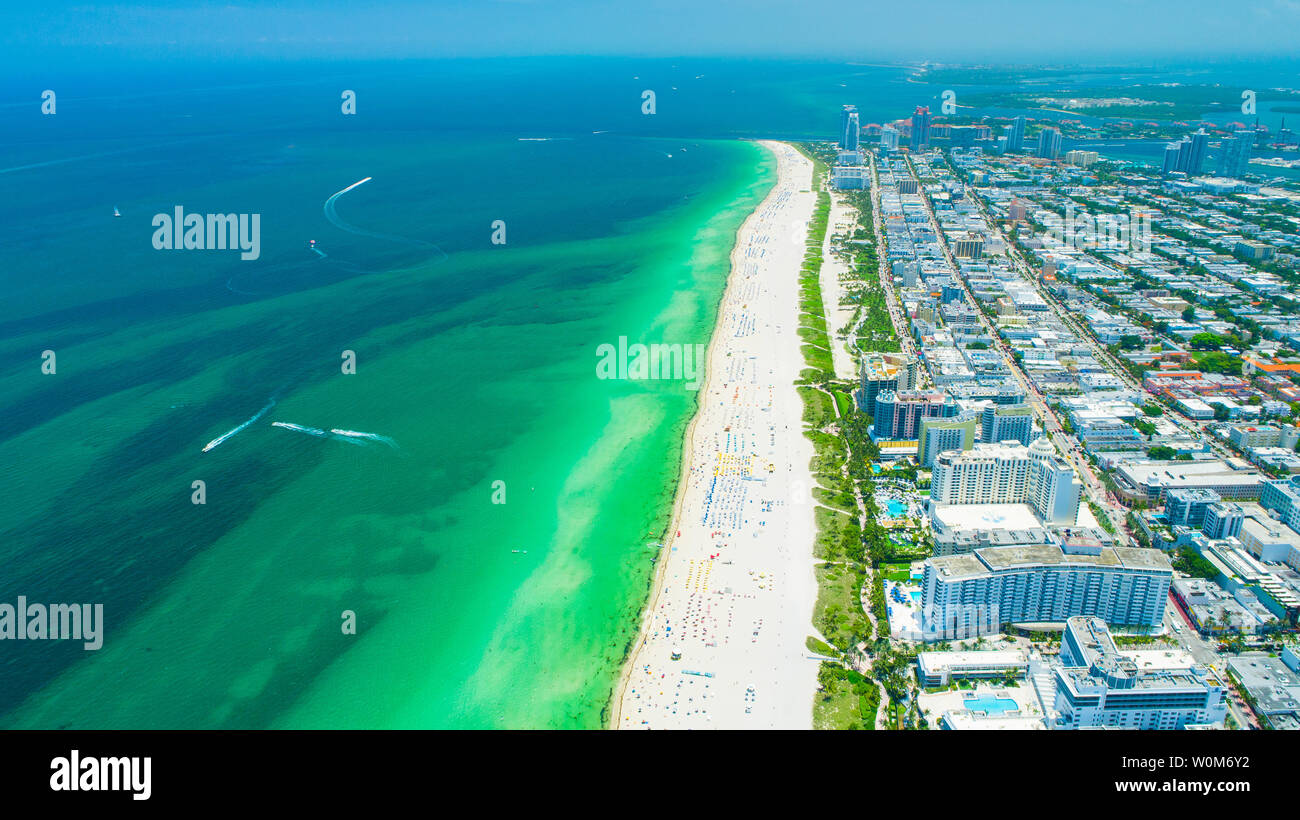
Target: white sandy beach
[{"x": 735, "y": 590}]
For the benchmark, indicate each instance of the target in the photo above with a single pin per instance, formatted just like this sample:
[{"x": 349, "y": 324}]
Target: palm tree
[
  {"x": 914, "y": 717},
  {"x": 854, "y": 657}
]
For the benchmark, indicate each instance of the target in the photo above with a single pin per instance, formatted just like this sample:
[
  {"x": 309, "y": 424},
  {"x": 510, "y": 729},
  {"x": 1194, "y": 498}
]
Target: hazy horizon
[{"x": 1013, "y": 32}]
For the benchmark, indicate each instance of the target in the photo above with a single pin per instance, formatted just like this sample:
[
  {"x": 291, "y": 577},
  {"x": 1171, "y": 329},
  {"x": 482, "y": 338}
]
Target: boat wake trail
[
  {"x": 298, "y": 428},
  {"x": 216, "y": 442},
  {"x": 353, "y": 435},
  {"x": 331, "y": 213},
  {"x": 348, "y": 436}
]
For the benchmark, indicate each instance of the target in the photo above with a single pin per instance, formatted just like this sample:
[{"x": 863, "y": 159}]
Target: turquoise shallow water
[{"x": 481, "y": 367}]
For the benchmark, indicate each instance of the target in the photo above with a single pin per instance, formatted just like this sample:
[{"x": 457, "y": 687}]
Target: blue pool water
[
  {"x": 916, "y": 596},
  {"x": 990, "y": 704},
  {"x": 896, "y": 508}
]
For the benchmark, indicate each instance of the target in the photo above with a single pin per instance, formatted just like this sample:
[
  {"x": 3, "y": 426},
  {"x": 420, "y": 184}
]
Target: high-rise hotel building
[
  {"x": 898, "y": 414},
  {"x": 979, "y": 593},
  {"x": 1002, "y": 422},
  {"x": 1234, "y": 155},
  {"x": 921, "y": 128},
  {"x": 886, "y": 371},
  {"x": 849, "y": 128},
  {"x": 1188, "y": 155},
  {"x": 1049, "y": 143},
  {"x": 1009, "y": 473},
  {"x": 1016, "y": 134},
  {"x": 1100, "y": 686}
]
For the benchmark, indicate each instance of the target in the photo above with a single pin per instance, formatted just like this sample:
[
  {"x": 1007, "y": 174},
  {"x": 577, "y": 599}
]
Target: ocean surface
[{"x": 475, "y": 361}]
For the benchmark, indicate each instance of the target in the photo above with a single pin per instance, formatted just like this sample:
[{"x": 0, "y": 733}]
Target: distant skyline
[{"x": 940, "y": 30}]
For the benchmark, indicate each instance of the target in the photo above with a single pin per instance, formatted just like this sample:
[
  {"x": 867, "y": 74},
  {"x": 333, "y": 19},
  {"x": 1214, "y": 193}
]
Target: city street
[
  {"x": 1099, "y": 351},
  {"x": 1180, "y": 627},
  {"x": 1069, "y": 447}
]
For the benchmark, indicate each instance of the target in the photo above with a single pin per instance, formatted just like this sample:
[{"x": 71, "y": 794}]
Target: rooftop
[
  {"x": 984, "y": 517},
  {"x": 995, "y": 559},
  {"x": 1275, "y": 688},
  {"x": 1177, "y": 473},
  {"x": 974, "y": 658},
  {"x": 964, "y": 719}
]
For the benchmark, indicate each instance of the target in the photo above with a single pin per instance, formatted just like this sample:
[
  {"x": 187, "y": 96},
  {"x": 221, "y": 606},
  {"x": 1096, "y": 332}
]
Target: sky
[{"x": 1005, "y": 31}]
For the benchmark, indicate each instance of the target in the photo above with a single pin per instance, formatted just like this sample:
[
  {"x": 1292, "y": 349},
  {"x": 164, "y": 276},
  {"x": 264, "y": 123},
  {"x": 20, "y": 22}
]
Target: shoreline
[
  {"x": 613, "y": 708},
  {"x": 651, "y": 648}
]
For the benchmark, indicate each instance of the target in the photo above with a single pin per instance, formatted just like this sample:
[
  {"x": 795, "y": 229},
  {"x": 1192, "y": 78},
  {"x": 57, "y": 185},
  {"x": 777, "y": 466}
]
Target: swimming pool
[
  {"x": 895, "y": 508},
  {"x": 916, "y": 596},
  {"x": 990, "y": 704}
]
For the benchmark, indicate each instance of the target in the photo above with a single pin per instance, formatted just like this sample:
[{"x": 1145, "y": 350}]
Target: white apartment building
[
  {"x": 1098, "y": 686},
  {"x": 978, "y": 593},
  {"x": 1009, "y": 473}
]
